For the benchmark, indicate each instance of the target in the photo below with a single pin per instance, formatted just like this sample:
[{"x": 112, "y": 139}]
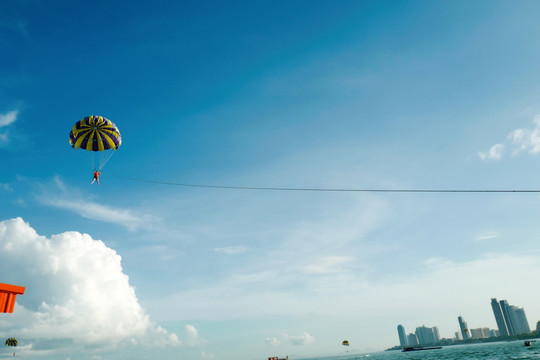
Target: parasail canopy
[
  {"x": 12, "y": 342},
  {"x": 95, "y": 133},
  {"x": 345, "y": 343}
]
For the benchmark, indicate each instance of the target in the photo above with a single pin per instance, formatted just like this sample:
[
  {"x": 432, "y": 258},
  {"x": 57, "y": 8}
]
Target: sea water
[{"x": 512, "y": 350}]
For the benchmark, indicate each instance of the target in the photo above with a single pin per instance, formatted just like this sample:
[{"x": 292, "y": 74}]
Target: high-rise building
[
  {"x": 521, "y": 325},
  {"x": 426, "y": 336},
  {"x": 412, "y": 340},
  {"x": 458, "y": 335},
  {"x": 511, "y": 320},
  {"x": 499, "y": 317},
  {"x": 505, "y": 307},
  {"x": 538, "y": 326},
  {"x": 464, "y": 329},
  {"x": 436, "y": 334},
  {"x": 402, "y": 335}
]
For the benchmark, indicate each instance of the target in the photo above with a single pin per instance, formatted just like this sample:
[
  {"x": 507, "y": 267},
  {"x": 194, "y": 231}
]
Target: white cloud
[
  {"x": 494, "y": 153},
  {"x": 99, "y": 212},
  {"x": 304, "y": 339},
  {"x": 6, "y": 187},
  {"x": 8, "y": 118},
  {"x": 519, "y": 140},
  {"x": 231, "y": 250},
  {"x": 328, "y": 265},
  {"x": 192, "y": 332},
  {"x": 205, "y": 355},
  {"x": 525, "y": 139},
  {"x": 75, "y": 290},
  {"x": 193, "y": 339},
  {"x": 64, "y": 198},
  {"x": 272, "y": 341},
  {"x": 5, "y": 121},
  {"x": 487, "y": 236}
]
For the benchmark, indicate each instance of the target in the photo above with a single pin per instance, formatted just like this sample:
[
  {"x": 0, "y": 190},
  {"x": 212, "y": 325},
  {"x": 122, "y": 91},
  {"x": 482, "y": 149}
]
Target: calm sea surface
[{"x": 491, "y": 351}]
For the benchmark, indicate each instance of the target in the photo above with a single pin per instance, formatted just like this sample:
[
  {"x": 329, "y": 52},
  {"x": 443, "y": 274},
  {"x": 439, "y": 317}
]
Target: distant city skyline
[{"x": 511, "y": 320}]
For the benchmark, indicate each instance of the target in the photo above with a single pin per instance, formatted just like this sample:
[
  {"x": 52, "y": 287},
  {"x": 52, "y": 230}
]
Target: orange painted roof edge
[{"x": 19, "y": 290}]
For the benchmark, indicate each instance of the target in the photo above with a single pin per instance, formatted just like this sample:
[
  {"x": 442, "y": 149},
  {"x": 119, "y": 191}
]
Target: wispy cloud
[
  {"x": 329, "y": 265},
  {"x": 303, "y": 339},
  {"x": 518, "y": 140},
  {"x": 6, "y": 120},
  {"x": 9, "y": 118},
  {"x": 487, "y": 236},
  {"x": 231, "y": 250},
  {"x": 205, "y": 355},
  {"x": 272, "y": 341},
  {"x": 95, "y": 211},
  {"x": 64, "y": 198}
]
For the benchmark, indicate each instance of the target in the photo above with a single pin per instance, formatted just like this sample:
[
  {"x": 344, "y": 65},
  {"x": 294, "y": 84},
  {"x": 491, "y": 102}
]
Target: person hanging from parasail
[{"x": 96, "y": 177}]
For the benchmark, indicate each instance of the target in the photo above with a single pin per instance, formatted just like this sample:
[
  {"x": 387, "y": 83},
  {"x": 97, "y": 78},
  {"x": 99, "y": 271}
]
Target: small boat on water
[
  {"x": 419, "y": 348},
  {"x": 528, "y": 342}
]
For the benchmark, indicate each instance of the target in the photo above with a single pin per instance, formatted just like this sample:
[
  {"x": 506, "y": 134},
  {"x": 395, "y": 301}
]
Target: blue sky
[{"x": 318, "y": 94}]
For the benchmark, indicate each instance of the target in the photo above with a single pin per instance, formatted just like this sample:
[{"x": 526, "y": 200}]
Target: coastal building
[
  {"x": 486, "y": 332},
  {"x": 476, "y": 334},
  {"x": 412, "y": 340},
  {"x": 519, "y": 319},
  {"x": 480, "y": 333},
  {"x": 538, "y": 326},
  {"x": 436, "y": 334},
  {"x": 511, "y": 320},
  {"x": 494, "y": 333},
  {"x": 458, "y": 335},
  {"x": 426, "y": 335},
  {"x": 505, "y": 307},
  {"x": 499, "y": 317},
  {"x": 402, "y": 335},
  {"x": 464, "y": 329}
]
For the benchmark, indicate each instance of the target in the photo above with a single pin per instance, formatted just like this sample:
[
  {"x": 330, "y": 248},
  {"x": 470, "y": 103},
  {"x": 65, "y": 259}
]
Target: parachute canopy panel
[
  {"x": 345, "y": 343},
  {"x": 8, "y": 294}
]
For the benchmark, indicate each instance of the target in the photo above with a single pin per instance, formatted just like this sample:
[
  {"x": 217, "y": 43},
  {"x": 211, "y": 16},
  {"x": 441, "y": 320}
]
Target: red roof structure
[{"x": 8, "y": 293}]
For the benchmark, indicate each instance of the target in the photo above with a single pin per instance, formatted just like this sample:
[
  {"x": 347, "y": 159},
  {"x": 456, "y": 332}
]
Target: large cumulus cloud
[{"x": 75, "y": 290}]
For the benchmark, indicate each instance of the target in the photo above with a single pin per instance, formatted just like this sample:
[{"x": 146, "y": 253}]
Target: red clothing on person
[{"x": 96, "y": 177}]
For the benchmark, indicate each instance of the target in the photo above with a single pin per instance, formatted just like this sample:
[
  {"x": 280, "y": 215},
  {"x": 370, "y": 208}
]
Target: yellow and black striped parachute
[
  {"x": 11, "y": 342},
  {"x": 97, "y": 134},
  {"x": 345, "y": 343}
]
